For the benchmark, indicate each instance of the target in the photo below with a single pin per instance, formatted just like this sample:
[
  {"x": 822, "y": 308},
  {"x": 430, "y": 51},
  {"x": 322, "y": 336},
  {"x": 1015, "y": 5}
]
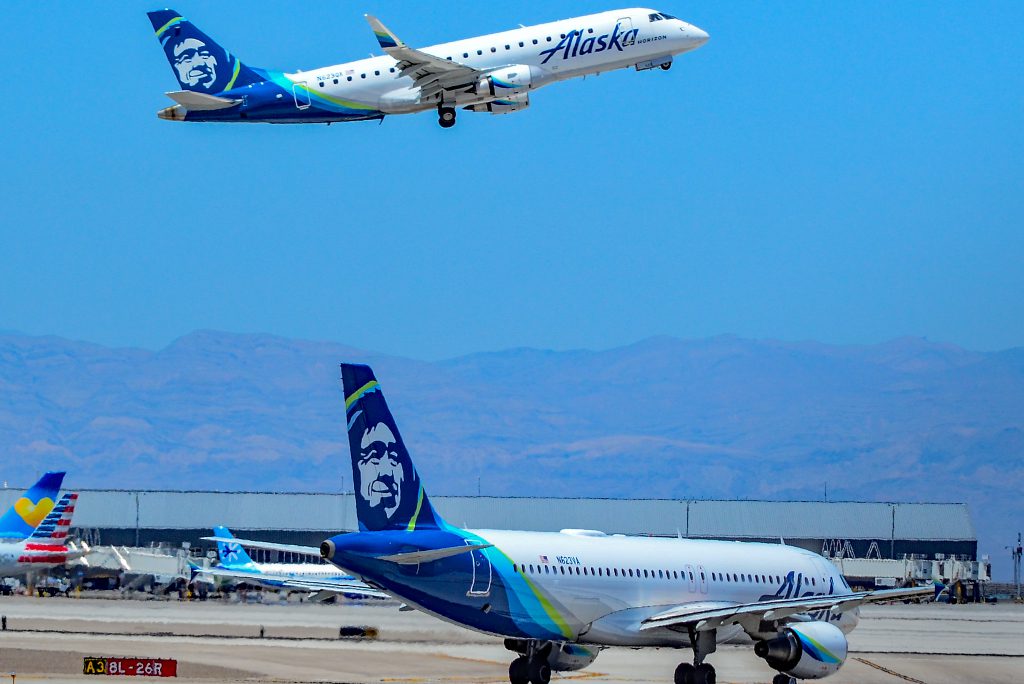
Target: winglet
[{"x": 385, "y": 37}]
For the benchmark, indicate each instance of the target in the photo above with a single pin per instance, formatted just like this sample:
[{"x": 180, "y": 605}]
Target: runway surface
[{"x": 46, "y": 640}]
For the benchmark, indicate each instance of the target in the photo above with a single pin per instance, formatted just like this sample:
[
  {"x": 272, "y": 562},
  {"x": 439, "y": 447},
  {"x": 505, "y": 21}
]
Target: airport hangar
[{"x": 877, "y": 535}]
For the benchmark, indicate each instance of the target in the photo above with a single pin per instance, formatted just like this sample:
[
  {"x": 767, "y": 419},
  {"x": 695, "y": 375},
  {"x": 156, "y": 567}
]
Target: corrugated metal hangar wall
[{"x": 892, "y": 529}]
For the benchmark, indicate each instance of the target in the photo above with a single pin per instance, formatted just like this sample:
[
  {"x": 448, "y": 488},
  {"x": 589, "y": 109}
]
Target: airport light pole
[{"x": 1016, "y": 565}]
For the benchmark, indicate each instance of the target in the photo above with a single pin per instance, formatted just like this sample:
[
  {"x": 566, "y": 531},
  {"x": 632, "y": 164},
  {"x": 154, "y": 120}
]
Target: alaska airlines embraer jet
[
  {"x": 493, "y": 73},
  {"x": 559, "y": 597}
]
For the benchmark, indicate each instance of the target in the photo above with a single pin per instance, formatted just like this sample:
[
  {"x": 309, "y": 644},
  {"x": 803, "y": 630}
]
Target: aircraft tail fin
[
  {"x": 30, "y": 510},
  {"x": 389, "y": 493},
  {"x": 199, "y": 63},
  {"x": 231, "y": 555},
  {"x": 57, "y": 523}
]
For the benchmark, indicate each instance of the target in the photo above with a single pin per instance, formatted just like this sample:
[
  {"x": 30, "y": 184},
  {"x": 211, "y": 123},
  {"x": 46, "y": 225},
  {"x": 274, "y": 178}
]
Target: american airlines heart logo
[{"x": 33, "y": 513}]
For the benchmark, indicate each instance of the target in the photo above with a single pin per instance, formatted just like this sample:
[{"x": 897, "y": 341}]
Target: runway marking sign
[{"x": 130, "y": 667}]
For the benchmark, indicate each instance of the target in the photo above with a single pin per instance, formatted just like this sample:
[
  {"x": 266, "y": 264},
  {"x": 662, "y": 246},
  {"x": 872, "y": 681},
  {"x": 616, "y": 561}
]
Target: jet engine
[
  {"x": 806, "y": 650},
  {"x": 503, "y": 105},
  {"x": 568, "y": 657},
  {"x": 504, "y": 81}
]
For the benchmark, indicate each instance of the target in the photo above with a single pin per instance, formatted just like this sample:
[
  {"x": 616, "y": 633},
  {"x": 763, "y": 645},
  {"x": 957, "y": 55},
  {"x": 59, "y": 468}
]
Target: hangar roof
[{"x": 694, "y": 518}]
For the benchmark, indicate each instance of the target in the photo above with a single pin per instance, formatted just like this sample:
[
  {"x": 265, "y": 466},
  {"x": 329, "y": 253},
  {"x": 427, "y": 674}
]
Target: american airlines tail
[
  {"x": 32, "y": 508},
  {"x": 389, "y": 493},
  {"x": 55, "y": 526}
]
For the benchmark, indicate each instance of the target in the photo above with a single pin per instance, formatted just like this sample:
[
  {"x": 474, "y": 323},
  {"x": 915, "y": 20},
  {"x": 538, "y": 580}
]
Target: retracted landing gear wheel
[
  {"x": 446, "y": 116},
  {"x": 519, "y": 671},
  {"x": 666, "y": 67},
  {"x": 540, "y": 672},
  {"x": 704, "y": 674},
  {"x": 684, "y": 674}
]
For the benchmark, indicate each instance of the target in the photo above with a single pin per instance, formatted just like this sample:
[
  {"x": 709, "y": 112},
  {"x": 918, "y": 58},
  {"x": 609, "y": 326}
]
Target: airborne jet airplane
[
  {"x": 493, "y": 73},
  {"x": 558, "y": 598}
]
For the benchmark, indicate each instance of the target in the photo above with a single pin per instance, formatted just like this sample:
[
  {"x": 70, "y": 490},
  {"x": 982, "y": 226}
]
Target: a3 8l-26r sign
[{"x": 130, "y": 667}]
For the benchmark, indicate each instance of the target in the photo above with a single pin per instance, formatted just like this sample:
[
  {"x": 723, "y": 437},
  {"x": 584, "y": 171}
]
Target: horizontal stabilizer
[
  {"x": 201, "y": 102},
  {"x": 269, "y": 546},
  {"x": 417, "y": 557}
]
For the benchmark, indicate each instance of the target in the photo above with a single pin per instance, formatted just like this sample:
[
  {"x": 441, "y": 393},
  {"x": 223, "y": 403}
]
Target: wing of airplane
[
  {"x": 702, "y": 616},
  {"x": 429, "y": 73},
  {"x": 269, "y": 546},
  {"x": 312, "y": 584}
]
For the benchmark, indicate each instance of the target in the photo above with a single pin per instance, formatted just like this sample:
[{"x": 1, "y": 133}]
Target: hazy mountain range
[{"x": 907, "y": 420}]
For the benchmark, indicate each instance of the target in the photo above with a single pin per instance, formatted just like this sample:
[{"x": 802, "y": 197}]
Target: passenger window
[
  {"x": 392, "y": 69},
  {"x": 562, "y": 569},
  {"x": 494, "y": 49},
  {"x": 549, "y": 39},
  {"x": 702, "y": 577},
  {"x": 590, "y": 30},
  {"x": 362, "y": 75},
  {"x": 515, "y": 568},
  {"x": 563, "y": 36},
  {"x": 335, "y": 81},
  {"x": 631, "y": 572},
  {"x": 521, "y": 44},
  {"x": 479, "y": 52},
  {"x": 508, "y": 47},
  {"x": 547, "y": 570},
  {"x": 465, "y": 55},
  {"x": 376, "y": 73},
  {"x": 534, "y": 41},
  {"x": 645, "y": 572},
  {"x": 350, "y": 78},
  {"x": 321, "y": 84},
  {"x": 616, "y": 571}
]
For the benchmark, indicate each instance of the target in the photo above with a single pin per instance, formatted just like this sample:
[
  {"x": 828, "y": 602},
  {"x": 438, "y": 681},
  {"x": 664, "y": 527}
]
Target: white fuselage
[{"x": 376, "y": 82}]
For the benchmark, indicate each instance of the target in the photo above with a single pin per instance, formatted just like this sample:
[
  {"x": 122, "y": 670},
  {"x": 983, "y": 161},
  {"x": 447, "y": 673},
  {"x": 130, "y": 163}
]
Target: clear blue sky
[{"x": 834, "y": 171}]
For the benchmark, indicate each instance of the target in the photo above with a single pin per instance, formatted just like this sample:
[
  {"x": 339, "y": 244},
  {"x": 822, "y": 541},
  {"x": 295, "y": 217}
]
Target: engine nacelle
[
  {"x": 569, "y": 657},
  {"x": 503, "y": 105},
  {"x": 561, "y": 657},
  {"x": 806, "y": 650},
  {"x": 504, "y": 81}
]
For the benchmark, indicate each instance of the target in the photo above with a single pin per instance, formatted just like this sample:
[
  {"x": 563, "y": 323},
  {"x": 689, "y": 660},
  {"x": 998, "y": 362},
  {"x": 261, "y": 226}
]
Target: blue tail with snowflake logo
[
  {"x": 199, "y": 63},
  {"x": 232, "y": 555},
  {"x": 389, "y": 493}
]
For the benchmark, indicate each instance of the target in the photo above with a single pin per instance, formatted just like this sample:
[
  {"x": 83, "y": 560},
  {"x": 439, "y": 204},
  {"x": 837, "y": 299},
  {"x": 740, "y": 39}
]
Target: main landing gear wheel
[
  {"x": 782, "y": 679},
  {"x": 666, "y": 67},
  {"x": 704, "y": 674},
  {"x": 446, "y": 116},
  {"x": 540, "y": 671},
  {"x": 684, "y": 674},
  {"x": 519, "y": 671}
]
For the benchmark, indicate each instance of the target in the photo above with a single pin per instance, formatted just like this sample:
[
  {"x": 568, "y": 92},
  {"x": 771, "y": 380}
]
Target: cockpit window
[
  {"x": 667, "y": 16},
  {"x": 654, "y": 17}
]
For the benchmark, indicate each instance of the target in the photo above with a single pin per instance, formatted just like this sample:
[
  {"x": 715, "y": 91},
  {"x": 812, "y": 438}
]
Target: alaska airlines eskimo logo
[
  {"x": 381, "y": 473},
  {"x": 194, "y": 62},
  {"x": 573, "y": 44}
]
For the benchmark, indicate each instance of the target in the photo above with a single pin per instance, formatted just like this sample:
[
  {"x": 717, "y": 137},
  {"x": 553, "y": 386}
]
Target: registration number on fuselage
[{"x": 568, "y": 560}]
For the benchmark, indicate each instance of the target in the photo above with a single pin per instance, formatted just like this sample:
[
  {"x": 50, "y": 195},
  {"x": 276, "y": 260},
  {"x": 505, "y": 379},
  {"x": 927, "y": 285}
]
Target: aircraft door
[
  {"x": 480, "y": 584},
  {"x": 626, "y": 31},
  {"x": 301, "y": 94}
]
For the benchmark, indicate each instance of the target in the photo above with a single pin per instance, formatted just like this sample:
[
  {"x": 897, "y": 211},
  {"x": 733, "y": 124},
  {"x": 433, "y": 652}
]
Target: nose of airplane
[{"x": 698, "y": 36}]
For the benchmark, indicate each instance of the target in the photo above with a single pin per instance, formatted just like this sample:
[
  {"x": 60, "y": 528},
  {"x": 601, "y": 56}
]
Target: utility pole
[{"x": 1016, "y": 565}]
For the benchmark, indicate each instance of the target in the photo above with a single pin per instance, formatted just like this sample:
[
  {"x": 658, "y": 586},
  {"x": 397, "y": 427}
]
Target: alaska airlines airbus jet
[
  {"x": 557, "y": 598},
  {"x": 493, "y": 73}
]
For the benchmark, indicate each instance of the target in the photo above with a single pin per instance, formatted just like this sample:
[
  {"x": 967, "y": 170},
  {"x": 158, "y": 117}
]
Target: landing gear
[
  {"x": 445, "y": 116},
  {"x": 703, "y": 644},
  {"x": 666, "y": 67},
  {"x": 783, "y": 679},
  {"x": 532, "y": 666}
]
